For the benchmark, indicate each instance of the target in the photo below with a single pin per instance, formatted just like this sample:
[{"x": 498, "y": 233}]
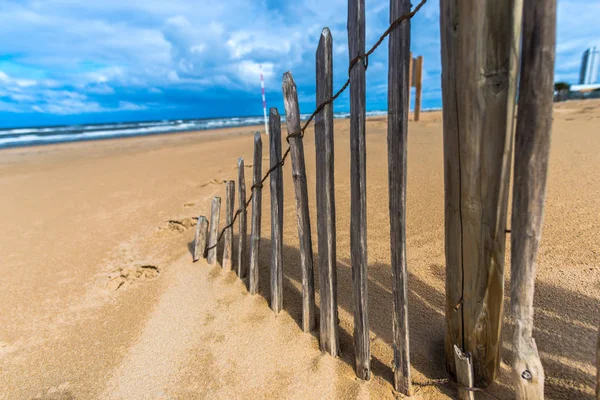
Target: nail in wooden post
[
  {"x": 532, "y": 147},
  {"x": 214, "y": 230},
  {"x": 276, "y": 212},
  {"x": 419, "y": 87},
  {"x": 292, "y": 113},
  {"x": 200, "y": 238},
  {"x": 358, "y": 187},
  {"x": 398, "y": 109},
  {"x": 464, "y": 374},
  {"x": 256, "y": 210},
  {"x": 328, "y": 323},
  {"x": 242, "y": 268},
  {"x": 228, "y": 236}
]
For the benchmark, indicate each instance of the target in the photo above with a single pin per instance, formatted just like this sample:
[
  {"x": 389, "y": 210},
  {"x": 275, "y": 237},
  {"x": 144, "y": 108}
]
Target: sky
[{"x": 76, "y": 61}]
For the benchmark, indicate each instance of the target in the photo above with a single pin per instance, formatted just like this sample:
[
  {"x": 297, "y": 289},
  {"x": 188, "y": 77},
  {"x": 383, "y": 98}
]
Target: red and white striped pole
[{"x": 262, "y": 86}]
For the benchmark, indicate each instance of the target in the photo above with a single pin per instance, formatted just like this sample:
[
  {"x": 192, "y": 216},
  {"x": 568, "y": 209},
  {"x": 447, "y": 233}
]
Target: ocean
[{"x": 17, "y": 137}]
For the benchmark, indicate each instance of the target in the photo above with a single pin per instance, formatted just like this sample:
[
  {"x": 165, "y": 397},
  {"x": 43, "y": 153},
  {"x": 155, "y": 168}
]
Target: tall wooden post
[
  {"x": 292, "y": 114},
  {"x": 398, "y": 109},
  {"x": 256, "y": 211},
  {"x": 325, "y": 190},
  {"x": 215, "y": 214},
  {"x": 276, "y": 212},
  {"x": 228, "y": 236},
  {"x": 532, "y": 147},
  {"x": 358, "y": 187},
  {"x": 418, "y": 87},
  {"x": 479, "y": 69},
  {"x": 242, "y": 268}
]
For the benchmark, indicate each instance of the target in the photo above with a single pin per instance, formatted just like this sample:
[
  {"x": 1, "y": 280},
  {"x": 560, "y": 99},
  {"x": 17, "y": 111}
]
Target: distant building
[{"x": 589, "y": 66}]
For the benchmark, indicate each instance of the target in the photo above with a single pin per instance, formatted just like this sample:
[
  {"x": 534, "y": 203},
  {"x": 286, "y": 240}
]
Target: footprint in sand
[
  {"x": 60, "y": 392},
  {"x": 213, "y": 182},
  {"x": 130, "y": 274},
  {"x": 179, "y": 225}
]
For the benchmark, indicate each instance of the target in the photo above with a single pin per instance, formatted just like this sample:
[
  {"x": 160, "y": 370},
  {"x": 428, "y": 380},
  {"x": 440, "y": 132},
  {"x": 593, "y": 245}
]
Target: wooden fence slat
[
  {"x": 228, "y": 236},
  {"x": 325, "y": 192},
  {"x": 398, "y": 111},
  {"x": 479, "y": 54},
  {"x": 200, "y": 238},
  {"x": 464, "y": 374},
  {"x": 242, "y": 225},
  {"x": 532, "y": 147},
  {"x": 418, "y": 87},
  {"x": 256, "y": 211},
  {"x": 292, "y": 113},
  {"x": 215, "y": 213},
  {"x": 276, "y": 212},
  {"x": 358, "y": 187}
]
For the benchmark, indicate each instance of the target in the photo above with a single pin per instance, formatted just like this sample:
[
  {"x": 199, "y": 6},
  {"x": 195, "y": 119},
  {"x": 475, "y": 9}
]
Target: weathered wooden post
[
  {"x": 480, "y": 46},
  {"x": 215, "y": 213},
  {"x": 276, "y": 212},
  {"x": 256, "y": 211},
  {"x": 325, "y": 191},
  {"x": 532, "y": 147},
  {"x": 241, "y": 258},
  {"x": 358, "y": 187},
  {"x": 200, "y": 238},
  {"x": 292, "y": 114},
  {"x": 464, "y": 374},
  {"x": 228, "y": 243},
  {"x": 398, "y": 110},
  {"x": 418, "y": 86}
]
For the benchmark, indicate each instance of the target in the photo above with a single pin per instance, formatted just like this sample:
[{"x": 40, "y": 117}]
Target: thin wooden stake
[
  {"x": 418, "y": 87},
  {"x": 358, "y": 187},
  {"x": 242, "y": 268},
  {"x": 464, "y": 374},
  {"x": 276, "y": 212},
  {"x": 398, "y": 110},
  {"x": 532, "y": 147},
  {"x": 228, "y": 243},
  {"x": 256, "y": 211},
  {"x": 292, "y": 113},
  {"x": 325, "y": 191},
  {"x": 215, "y": 213},
  {"x": 480, "y": 48},
  {"x": 200, "y": 238}
]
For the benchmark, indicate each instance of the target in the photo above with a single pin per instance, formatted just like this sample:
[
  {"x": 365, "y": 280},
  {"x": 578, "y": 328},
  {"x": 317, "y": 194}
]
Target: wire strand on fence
[
  {"x": 446, "y": 381},
  {"x": 319, "y": 108}
]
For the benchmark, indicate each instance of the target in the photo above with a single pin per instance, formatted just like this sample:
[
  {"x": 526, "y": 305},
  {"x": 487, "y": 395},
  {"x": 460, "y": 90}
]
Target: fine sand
[{"x": 99, "y": 297}]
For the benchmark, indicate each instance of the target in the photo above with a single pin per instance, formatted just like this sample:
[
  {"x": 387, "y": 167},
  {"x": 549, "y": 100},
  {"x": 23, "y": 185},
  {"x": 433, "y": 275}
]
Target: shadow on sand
[{"x": 565, "y": 324}]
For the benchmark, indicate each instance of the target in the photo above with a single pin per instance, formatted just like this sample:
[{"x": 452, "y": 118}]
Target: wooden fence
[{"x": 481, "y": 53}]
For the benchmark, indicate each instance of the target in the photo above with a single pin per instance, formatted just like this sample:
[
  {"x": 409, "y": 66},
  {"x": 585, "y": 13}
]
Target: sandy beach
[{"x": 99, "y": 297}]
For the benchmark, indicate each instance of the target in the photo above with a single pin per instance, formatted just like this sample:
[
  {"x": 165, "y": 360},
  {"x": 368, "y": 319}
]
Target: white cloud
[{"x": 103, "y": 48}]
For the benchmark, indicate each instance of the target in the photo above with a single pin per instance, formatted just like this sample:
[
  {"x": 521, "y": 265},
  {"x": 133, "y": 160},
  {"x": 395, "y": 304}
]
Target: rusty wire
[{"x": 301, "y": 131}]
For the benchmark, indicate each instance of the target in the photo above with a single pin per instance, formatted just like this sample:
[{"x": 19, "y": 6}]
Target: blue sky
[{"x": 76, "y": 61}]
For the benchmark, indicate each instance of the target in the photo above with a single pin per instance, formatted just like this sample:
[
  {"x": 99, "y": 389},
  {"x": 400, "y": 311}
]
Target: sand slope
[{"x": 99, "y": 298}]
